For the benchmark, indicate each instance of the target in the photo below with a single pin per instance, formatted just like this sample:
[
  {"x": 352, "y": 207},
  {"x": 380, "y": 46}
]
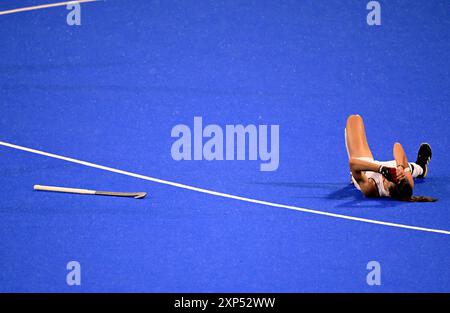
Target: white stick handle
[{"x": 62, "y": 189}]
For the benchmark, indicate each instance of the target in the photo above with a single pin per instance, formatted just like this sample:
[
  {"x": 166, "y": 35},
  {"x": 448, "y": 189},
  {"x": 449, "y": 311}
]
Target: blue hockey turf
[{"x": 110, "y": 90}]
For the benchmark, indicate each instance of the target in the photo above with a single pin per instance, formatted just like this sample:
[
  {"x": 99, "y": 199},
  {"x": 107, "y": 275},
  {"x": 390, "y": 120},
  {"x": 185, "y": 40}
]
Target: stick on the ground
[{"x": 136, "y": 195}]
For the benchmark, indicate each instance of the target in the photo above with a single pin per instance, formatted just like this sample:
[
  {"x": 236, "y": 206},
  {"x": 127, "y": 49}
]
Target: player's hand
[
  {"x": 390, "y": 173},
  {"x": 400, "y": 173}
]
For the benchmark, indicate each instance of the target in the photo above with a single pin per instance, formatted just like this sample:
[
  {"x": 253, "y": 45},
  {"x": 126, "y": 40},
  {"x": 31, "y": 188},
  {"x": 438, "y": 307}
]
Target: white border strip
[
  {"x": 43, "y": 6},
  {"x": 223, "y": 195}
]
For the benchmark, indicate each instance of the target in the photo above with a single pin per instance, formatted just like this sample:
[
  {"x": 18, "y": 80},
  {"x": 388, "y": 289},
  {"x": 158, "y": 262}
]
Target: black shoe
[{"x": 423, "y": 158}]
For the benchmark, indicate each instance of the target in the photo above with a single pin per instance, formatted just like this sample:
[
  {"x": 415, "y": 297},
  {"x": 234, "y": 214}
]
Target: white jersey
[{"x": 377, "y": 177}]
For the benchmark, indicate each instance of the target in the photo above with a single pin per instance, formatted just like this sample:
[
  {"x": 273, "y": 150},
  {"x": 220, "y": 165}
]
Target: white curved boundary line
[
  {"x": 224, "y": 195},
  {"x": 43, "y": 6}
]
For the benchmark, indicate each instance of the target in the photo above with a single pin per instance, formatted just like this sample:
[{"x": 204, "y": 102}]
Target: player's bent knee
[{"x": 354, "y": 119}]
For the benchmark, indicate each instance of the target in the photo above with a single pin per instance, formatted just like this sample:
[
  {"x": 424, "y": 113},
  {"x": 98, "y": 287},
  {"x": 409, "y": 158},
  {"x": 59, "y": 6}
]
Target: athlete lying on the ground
[{"x": 394, "y": 179}]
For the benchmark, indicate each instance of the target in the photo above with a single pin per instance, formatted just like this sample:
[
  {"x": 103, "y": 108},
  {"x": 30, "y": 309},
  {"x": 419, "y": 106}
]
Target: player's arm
[
  {"x": 403, "y": 170},
  {"x": 358, "y": 167},
  {"x": 363, "y": 165}
]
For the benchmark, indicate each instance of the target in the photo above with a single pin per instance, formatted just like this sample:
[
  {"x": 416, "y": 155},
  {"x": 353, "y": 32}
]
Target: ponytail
[
  {"x": 402, "y": 191},
  {"x": 422, "y": 199}
]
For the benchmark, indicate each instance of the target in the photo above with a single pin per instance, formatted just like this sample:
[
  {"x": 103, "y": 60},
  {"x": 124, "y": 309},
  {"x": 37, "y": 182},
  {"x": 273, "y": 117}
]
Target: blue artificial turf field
[{"x": 110, "y": 91}]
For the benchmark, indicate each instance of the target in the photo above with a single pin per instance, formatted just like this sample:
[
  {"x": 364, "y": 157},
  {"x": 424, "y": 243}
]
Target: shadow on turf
[{"x": 339, "y": 191}]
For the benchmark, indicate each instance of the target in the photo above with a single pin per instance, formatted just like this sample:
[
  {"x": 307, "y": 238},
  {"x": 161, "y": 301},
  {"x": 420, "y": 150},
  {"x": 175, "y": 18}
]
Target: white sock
[{"x": 416, "y": 169}]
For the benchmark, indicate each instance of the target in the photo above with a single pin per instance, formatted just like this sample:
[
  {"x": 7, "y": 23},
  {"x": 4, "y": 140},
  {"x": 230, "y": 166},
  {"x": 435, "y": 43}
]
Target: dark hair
[{"x": 403, "y": 191}]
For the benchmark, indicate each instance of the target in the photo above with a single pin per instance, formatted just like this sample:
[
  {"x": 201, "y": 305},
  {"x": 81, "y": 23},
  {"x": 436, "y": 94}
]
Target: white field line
[
  {"x": 42, "y": 6},
  {"x": 225, "y": 195}
]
